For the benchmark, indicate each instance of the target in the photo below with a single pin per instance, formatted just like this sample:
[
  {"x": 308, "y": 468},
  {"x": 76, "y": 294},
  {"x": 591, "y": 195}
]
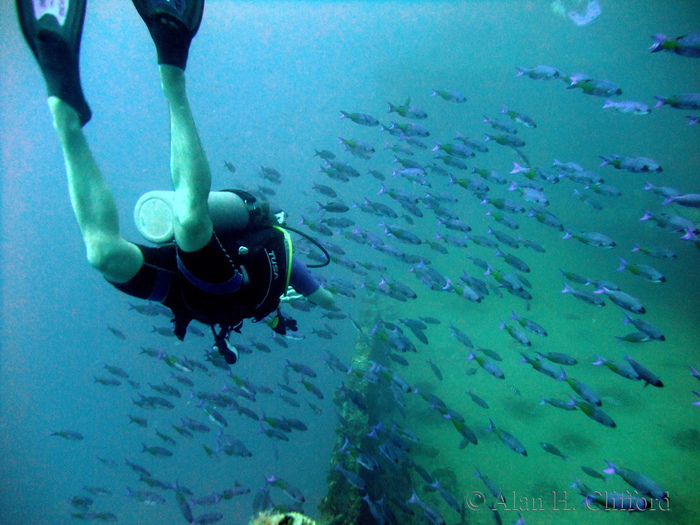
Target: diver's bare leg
[
  {"x": 188, "y": 165},
  {"x": 118, "y": 259}
]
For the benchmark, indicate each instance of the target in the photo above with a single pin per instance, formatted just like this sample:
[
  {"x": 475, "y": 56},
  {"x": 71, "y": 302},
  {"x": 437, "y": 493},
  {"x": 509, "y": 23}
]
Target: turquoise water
[{"x": 267, "y": 82}]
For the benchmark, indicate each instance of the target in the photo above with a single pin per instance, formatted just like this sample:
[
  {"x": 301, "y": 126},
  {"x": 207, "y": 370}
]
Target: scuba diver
[{"x": 229, "y": 259}]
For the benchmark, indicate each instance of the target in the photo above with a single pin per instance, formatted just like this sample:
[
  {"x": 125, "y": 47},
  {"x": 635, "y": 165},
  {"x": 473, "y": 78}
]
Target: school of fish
[{"x": 374, "y": 202}]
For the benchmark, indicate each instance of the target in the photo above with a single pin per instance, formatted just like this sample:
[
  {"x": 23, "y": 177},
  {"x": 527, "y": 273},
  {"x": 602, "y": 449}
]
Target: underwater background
[{"x": 267, "y": 82}]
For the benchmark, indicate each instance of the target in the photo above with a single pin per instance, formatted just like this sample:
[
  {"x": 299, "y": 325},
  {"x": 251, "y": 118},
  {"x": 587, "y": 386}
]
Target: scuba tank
[{"x": 153, "y": 214}]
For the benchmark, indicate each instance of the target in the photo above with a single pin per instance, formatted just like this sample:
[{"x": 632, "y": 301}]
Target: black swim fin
[
  {"x": 172, "y": 25},
  {"x": 53, "y": 29}
]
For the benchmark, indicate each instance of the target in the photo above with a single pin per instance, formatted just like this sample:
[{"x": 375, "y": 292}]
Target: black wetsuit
[{"x": 232, "y": 278}]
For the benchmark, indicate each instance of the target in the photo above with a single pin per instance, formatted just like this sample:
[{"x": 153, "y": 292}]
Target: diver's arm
[
  {"x": 303, "y": 281},
  {"x": 322, "y": 298}
]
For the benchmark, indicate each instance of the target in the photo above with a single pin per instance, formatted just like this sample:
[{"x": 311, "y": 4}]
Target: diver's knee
[
  {"x": 101, "y": 256},
  {"x": 191, "y": 212},
  {"x": 118, "y": 260},
  {"x": 193, "y": 228},
  {"x": 192, "y": 222}
]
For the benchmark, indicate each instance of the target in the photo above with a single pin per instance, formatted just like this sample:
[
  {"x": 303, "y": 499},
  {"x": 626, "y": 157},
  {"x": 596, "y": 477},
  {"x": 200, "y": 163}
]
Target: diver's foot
[
  {"x": 172, "y": 27},
  {"x": 54, "y": 38}
]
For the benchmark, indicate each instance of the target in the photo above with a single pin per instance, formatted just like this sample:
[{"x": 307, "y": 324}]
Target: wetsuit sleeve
[{"x": 302, "y": 280}]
